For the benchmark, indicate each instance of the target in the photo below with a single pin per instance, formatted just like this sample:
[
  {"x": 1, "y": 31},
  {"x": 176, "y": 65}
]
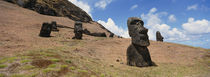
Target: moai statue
[
  {"x": 111, "y": 35},
  {"x": 45, "y": 30},
  {"x": 78, "y": 30},
  {"x": 138, "y": 53},
  {"x": 159, "y": 37},
  {"x": 54, "y": 26}
]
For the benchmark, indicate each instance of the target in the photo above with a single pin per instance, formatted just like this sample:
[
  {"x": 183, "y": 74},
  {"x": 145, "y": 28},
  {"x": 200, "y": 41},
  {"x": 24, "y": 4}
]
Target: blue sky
[{"x": 179, "y": 21}]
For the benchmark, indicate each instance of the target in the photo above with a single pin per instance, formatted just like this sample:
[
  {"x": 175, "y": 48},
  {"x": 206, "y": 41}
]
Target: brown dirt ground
[{"x": 19, "y": 29}]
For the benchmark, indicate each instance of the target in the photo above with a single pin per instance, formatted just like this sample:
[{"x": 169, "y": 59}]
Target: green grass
[
  {"x": 8, "y": 59},
  {"x": 52, "y": 66},
  {"x": 2, "y": 75},
  {"x": 95, "y": 68},
  {"x": 18, "y": 75},
  {"x": 68, "y": 61},
  {"x": 27, "y": 67},
  {"x": 55, "y": 60},
  {"x": 2, "y": 66},
  {"x": 82, "y": 71},
  {"x": 72, "y": 68},
  {"x": 50, "y": 70},
  {"x": 25, "y": 61}
]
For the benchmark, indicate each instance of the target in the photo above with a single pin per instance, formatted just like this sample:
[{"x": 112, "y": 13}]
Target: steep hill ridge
[
  {"x": 55, "y": 8},
  {"x": 24, "y": 54}
]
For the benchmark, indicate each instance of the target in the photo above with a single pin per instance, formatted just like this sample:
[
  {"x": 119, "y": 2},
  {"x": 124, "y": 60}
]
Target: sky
[{"x": 179, "y": 21}]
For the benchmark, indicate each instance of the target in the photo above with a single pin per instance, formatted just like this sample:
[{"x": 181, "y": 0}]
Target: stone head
[
  {"x": 78, "y": 26},
  {"x": 137, "y": 31}
]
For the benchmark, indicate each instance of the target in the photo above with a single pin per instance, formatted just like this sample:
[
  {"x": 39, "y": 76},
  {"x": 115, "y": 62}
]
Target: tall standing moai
[
  {"x": 138, "y": 53},
  {"x": 45, "y": 30},
  {"x": 78, "y": 30},
  {"x": 159, "y": 37}
]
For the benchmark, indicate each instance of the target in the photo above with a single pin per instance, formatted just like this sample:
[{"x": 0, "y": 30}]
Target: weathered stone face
[
  {"x": 78, "y": 30},
  {"x": 138, "y": 32},
  {"x": 45, "y": 30},
  {"x": 159, "y": 37},
  {"x": 54, "y": 26}
]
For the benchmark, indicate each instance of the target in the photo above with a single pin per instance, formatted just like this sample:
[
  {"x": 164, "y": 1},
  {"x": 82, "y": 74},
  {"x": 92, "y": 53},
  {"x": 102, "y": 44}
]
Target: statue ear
[{"x": 142, "y": 23}]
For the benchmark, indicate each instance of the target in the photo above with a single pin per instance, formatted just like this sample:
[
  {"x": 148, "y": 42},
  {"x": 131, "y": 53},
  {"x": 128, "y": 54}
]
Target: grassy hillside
[{"x": 24, "y": 54}]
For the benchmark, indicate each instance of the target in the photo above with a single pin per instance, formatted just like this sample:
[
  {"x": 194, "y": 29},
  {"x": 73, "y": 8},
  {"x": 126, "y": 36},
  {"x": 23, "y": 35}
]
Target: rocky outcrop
[
  {"x": 138, "y": 53},
  {"x": 54, "y": 8}
]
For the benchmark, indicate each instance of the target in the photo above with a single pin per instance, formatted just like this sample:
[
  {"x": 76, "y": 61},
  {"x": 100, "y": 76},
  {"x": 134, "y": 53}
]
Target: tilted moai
[
  {"x": 159, "y": 37},
  {"x": 45, "y": 30},
  {"x": 54, "y": 26},
  {"x": 78, "y": 30},
  {"x": 138, "y": 53}
]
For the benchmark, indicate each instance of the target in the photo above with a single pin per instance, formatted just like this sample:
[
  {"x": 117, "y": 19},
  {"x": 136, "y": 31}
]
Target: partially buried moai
[
  {"x": 78, "y": 30},
  {"x": 159, "y": 37},
  {"x": 54, "y": 26},
  {"x": 138, "y": 53},
  {"x": 45, "y": 30}
]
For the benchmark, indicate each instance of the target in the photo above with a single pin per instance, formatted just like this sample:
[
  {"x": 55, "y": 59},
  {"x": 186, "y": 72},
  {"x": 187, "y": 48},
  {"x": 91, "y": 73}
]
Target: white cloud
[
  {"x": 154, "y": 23},
  {"x": 110, "y": 25},
  {"x": 196, "y": 27},
  {"x": 172, "y": 18},
  {"x": 192, "y": 7},
  {"x": 134, "y": 7},
  {"x": 83, "y": 5},
  {"x": 102, "y": 3},
  {"x": 152, "y": 10}
]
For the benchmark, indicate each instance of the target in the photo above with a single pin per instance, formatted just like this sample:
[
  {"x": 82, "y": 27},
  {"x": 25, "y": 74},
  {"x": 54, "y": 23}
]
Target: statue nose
[{"x": 143, "y": 31}]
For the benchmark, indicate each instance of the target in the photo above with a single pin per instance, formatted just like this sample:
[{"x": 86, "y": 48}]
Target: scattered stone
[
  {"x": 78, "y": 30},
  {"x": 119, "y": 36},
  {"x": 159, "y": 37},
  {"x": 111, "y": 65},
  {"x": 117, "y": 60},
  {"x": 138, "y": 53},
  {"x": 54, "y": 26},
  {"x": 45, "y": 30},
  {"x": 111, "y": 35}
]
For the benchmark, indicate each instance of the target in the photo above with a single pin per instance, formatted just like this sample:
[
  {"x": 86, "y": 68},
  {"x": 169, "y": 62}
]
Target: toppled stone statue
[
  {"x": 159, "y": 37},
  {"x": 54, "y": 26},
  {"x": 45, "y": 30},
  {"x": 99, "y": 34},
  {"x": 78, "y": 30},
  {"x": 138, "y": 53}
]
